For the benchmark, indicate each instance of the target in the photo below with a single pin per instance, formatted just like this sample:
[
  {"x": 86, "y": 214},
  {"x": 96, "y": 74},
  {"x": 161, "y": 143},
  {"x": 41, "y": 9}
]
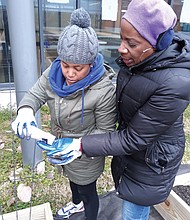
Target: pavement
[{"x": 7, "y": 99}]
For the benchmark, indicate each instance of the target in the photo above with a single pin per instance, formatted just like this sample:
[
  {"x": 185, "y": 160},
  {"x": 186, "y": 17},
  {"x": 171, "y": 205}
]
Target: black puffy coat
[{"x": 151, "y": 99}]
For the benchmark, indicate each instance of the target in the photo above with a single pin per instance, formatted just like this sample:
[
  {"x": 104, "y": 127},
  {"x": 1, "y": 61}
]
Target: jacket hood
[{"x": 175, "y": 56}]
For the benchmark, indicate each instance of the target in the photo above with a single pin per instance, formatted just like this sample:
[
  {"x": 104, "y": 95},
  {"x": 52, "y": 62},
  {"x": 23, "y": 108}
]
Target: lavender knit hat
[
  {"x": 151, "y": 18},
  {"x": 78, "y": 42}
]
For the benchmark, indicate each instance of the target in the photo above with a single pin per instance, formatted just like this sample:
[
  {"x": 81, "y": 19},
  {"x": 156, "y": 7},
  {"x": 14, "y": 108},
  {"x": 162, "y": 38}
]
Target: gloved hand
[
  {"x": 23, "y": 122},
  {"x": 65, "y": 159},
  {"x": 62, "y": 151}
]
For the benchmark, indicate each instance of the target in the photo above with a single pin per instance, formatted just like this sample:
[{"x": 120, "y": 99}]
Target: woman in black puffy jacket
[{"x": 153, "y": 90}]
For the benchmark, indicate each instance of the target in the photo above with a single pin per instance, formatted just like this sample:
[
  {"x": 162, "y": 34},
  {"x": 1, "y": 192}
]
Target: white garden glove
[{"x": 23, "y": 122}]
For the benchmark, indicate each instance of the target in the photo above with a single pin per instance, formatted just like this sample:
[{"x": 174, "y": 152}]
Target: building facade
[{"x": 51, "y": 16}]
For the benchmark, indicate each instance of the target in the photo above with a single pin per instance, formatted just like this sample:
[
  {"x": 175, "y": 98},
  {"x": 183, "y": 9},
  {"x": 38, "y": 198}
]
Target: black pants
[{"x": 89, "y": 196}]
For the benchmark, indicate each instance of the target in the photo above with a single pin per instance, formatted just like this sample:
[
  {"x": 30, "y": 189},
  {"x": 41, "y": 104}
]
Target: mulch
[{"x": 183, "y": 192}]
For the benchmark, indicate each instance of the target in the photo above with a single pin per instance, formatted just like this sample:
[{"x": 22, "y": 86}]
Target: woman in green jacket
[{"x": 81, "y": 99}]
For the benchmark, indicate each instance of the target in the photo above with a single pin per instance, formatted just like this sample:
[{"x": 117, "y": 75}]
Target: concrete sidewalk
[{"x": 8, "y": 99}]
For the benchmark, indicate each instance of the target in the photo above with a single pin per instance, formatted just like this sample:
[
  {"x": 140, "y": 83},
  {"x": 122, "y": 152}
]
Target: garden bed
[
  {"x": 39, "y": 212},
  {"x": 183, "y": 192},
  {"x": 177, "y": 205}
]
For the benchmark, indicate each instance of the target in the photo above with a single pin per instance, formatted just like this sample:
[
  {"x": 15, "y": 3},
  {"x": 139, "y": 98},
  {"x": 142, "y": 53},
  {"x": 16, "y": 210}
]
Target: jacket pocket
[
  {"x": 118, "y": 165},
  {"x": 156, "y": 158}
]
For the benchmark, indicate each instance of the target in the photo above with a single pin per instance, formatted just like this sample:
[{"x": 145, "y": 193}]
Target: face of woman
[
  {"x": 133, "y": 48},
  {"x": 74, "y": 72}
]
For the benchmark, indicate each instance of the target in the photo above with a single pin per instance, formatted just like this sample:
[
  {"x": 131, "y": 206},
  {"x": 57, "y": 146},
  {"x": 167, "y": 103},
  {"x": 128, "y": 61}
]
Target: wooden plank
[
  {"x": 174, "y": 208},
  {"x": 48, "y": 212},
  {"x": 39, "y": 212}
]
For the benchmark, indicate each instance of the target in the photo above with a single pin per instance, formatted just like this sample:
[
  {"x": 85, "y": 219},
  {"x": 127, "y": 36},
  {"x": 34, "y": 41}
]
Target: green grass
[{"x": 51, "y": 186}]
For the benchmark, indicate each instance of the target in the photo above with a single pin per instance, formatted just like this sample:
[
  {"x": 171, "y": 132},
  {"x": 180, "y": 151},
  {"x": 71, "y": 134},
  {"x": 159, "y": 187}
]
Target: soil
[{"x": 183, "y": 192}]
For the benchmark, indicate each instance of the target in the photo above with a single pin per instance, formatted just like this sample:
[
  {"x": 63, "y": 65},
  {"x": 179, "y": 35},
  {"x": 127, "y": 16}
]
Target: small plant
[{"x": 45, "y": 118}]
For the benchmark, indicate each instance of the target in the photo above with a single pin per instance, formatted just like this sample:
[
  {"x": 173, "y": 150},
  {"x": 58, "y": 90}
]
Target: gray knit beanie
[{"x": 78, "y": 43}]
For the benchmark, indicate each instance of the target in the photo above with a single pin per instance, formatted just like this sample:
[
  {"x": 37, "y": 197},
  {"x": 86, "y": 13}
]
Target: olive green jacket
[{"x": 66, "y": 113}]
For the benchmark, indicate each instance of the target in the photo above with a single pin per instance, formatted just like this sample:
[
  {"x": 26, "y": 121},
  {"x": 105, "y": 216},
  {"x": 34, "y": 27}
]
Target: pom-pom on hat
[
  {"x": 152, "y": 19},
  {"x": 78, "y": 43}
]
